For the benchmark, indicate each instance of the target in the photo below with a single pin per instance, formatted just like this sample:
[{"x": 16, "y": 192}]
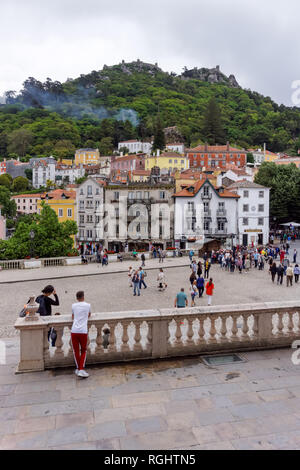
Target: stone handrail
[{"x": 150, "y": 334}]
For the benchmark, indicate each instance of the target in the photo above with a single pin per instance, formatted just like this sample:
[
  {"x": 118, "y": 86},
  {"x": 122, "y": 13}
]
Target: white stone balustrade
[{"x": 162, "y": 333}]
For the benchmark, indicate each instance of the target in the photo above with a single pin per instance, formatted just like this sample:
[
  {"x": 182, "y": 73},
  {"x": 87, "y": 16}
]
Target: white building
[
  {"x": 177, "y": 147},
  {"x": 90, "y": 210},
  {"x": 43, "y": 171},
  {"x": 136, "y": 146},
  {"x": 230, "y": 176},
  {"x": 253, "y": 212},
  {"x": 67, "y": 173},
  {"x": 204, "y": 212}
]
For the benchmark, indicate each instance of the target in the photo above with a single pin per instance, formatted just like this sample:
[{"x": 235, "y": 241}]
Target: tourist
[
  {"x": 286, "y": 263},
  {"x": 194, "y": 266},
  {"x": 45, "y": 308},
  {"x": 289, "y": 276},
  {"x": 206, "y": 268},
  {"x": 142, "y": 278},
  {"x": 209, "y": 290},
  {"x": 191, "y": 254},
  {"x": 143, "y": 259},
  {"x": 296, "y": 273},
  {"x": 247, "y": 264},
  {"x": 130, "y": 274},
  {"x": 136, "y": 283},
  {"x": 295, "y": 255},
  {"x": 81, "y": 311},
  {"x": 192, "y": 277},
  {"x": 193, "y": 290},
  {"x": 200, "y": 285},
  {"x": 161, "y": 279},
  {"x": 199, "y": 269},
  {"x": 181, "y": 300},
  {"x": 273, "y": 271},
  {"x": 280, "y": 272}
]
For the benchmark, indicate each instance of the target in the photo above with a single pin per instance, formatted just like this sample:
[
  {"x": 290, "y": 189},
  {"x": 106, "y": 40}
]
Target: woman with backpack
[{"x": 45, "y": 308}]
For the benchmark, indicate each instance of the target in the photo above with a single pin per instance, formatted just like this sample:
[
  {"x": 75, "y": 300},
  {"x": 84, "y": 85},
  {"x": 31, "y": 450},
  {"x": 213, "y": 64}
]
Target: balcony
[
  {"x": 207, "y": 231},
  {"x": 206, "y": 196},
  {"x": 221, "y": 213},
  {"x": 220, "y": 232}
]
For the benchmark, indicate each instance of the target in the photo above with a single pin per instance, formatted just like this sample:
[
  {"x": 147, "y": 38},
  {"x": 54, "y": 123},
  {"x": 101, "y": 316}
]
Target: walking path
[{"x": 163, "y": 404}]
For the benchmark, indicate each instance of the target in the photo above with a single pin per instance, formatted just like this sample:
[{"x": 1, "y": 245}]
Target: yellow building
[
  {"x": 62, "y": 202},
  {"x": 167, "y": 161},
  {"x": 140, "y": 176},
  {"x": 87, "y": 156},
  {"x": 270, "y": 156},
  {"x": 67, "y": 161}
]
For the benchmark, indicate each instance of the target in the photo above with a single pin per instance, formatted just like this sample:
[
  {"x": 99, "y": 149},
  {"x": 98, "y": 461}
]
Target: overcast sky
[{"x": 256, "y": 40}]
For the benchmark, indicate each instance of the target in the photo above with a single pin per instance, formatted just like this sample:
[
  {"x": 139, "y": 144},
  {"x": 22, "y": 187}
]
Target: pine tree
[
  {"x": 213, "y": 129},
  {"x": 159, "y": 136}
]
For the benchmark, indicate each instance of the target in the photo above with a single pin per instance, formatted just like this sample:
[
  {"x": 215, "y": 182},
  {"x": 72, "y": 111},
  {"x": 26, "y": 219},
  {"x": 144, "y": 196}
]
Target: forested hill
[{"x": 124, "y": 101}]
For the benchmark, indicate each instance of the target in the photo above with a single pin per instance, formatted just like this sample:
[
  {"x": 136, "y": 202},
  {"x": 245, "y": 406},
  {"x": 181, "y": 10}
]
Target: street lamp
[{"x": 31, "y": 234}]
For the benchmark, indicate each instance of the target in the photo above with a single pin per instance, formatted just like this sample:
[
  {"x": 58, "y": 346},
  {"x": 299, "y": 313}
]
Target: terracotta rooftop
[
  {"x": 193, "y": 189},
  {"x": 36, "y": 195},
  {"x": 58, "y": 194},
  {"x": 215, "y": 148},
  {"x": 141, "y": 172}
]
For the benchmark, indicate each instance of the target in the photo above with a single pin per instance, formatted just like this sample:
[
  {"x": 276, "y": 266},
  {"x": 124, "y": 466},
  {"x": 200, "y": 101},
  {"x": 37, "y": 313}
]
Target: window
[
  {"x": 205, "y": 206},
  {"x": 89, "y": 233},
  {"x": 162, "y": 195},
  {"x": 245, "y": 221},
  {"x": 81, "y": 205},
  {"x": 116, "y": 195},
  {"x": 146, "y": 195},
  {"x": 182, "y": 162},
  {"x": 30, "y": 201},
  {"x": 69, "y": 212},
  {"x": 170, "y": 161},
  {"x": 97, "y": 219},
  {"x": 81, "y": 192},
  {"x": 138, "y": 228},
  {"x": 206, "y": 225},
  {"x": 31, "y": 208},
  {"x": 261, "y": 207},
  {"x": 81, "y": 219},
  {"x": 175, "y": 161},
  {"x": 190, "y": 206},
  {"x": 246, "y": 193},
  {"x": 60, "y": 212},
  {"x": 246, "y": 208},
  {"x": 206, "y": 191},
  {"x": 221, "y": 206},
  {"x": 97, "y": 191},
  {"x": 260, "y": 221},
  {"x": 139, "y": 195},
  {"x": 130, "y": 195},
  {"x": 261, "y": 194},
  {"x": 221, "y": 226},
  {"x": 89, "y": 191}
]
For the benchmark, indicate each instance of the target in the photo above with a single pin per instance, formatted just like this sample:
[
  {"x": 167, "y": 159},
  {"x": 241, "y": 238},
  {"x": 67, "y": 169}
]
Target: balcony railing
[
  {"x": 150, "y": 334},
  {"x": 221, "y": 212}
]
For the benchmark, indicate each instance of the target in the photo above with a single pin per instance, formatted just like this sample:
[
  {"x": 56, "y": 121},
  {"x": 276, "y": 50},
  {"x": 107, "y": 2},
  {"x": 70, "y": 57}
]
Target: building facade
[
  {"x": 43, "y": 170},
  {"x": 167, "y": 162},
  {"x": 177, "y": 147},
  {"x": 87, "y": 156},
  {"x": 90, "y": 205},
  {"x": 144, "y": 216},
  {"x": 136, "y": 146},
  {"x": 203, "y": 212},
  {"x": 65, "y": 174},
  {"x": 26, "y": 203},
  {"x": 128, "y": 163},
  {"x": 216, "y": 156},
  {"x": 253, "y": 212}
]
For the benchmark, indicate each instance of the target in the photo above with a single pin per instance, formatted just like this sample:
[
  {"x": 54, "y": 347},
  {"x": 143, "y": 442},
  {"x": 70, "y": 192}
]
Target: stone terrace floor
[{"x": 166, "y": 404}]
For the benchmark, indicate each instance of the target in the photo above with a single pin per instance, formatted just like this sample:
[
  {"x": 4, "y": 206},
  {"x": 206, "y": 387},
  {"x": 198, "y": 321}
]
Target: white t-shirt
[{"x": 81, "y": 312}]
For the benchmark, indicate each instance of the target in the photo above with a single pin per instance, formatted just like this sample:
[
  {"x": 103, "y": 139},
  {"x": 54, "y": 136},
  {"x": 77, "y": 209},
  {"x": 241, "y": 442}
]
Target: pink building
[
  {"x": 26, "y": 203},
  {"x": 128, "y": 163}
]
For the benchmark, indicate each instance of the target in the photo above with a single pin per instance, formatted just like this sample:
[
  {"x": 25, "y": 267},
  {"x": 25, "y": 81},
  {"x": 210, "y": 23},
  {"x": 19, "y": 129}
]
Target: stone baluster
[
  {"x": 70, "y": 350},
  {"x": 99, "y": 339},
  {"x": 112, "y": 338},
  {"x": 190, "y": 332},
  {"x": 291, "y": 323},
  {"x": 137, "y": 337},
  {"x": 212, "y": 330},
  {"x": 223, "y": 328},
  {"x": 88, "y": 344},
  {"x": 46, "y": 346},
  {"x": 280, "y": 324},
  {"x": 234, "y": 329},
  {"x": 59, "y": 353},
  {"x": 245, "y": 328},
  {"x": 201, "y": 329},
  {"x": 178, "y": 334},
  {"x": 125, "y": 337},
  {"x": 149, "y": 335},
  {"x": 255, "y": 326}
]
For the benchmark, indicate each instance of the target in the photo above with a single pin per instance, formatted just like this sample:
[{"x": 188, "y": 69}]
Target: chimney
[{"x": 227, "y": 146}]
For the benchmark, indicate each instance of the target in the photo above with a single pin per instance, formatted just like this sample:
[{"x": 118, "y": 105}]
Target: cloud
[{"x": 257, "y": 41}]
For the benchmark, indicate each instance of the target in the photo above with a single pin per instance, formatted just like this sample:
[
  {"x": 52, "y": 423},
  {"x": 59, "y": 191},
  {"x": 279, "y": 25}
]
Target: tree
[
  {"x": 52, "y": 238},
  {"x": 250, "y": 158},
  {"x": 9, "y": 206},
  {"x": 28, "y": 174},
  {"x": 20, "y": 184},
  {"x": 213, "y": 128},
  {"x": 106, "y": 146},
  {"x": 64, "y": 148},
  {"x": 159, "y": 142},
  {"x": 19, "y": 141},
  {"x": 5, "y": 181}
]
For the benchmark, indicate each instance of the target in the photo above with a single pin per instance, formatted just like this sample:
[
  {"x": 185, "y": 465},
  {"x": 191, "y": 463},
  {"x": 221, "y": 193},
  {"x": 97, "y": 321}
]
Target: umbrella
[{"x": 294, "y": 224}]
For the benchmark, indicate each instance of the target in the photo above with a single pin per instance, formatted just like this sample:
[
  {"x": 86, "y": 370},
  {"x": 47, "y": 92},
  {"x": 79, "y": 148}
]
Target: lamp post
[{"x": 31, "y": 234}]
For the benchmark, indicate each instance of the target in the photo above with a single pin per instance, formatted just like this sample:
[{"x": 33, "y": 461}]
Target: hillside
[{"x": 123, "y": 101}]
